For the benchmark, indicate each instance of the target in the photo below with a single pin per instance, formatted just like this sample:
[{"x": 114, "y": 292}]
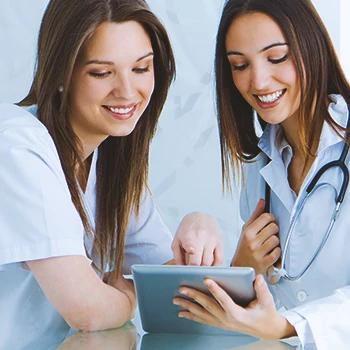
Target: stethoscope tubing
[{"x": 312, "y": 185}]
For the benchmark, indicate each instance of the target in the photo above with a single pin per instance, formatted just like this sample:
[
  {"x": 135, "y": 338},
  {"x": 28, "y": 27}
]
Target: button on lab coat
[
  {"x": 318, "y": 305},
  {"x": 38, "y": 220}
]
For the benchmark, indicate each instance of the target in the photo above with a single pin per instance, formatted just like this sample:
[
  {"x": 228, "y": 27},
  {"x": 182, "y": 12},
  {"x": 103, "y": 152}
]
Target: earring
[{"x": 60, "y": 88}]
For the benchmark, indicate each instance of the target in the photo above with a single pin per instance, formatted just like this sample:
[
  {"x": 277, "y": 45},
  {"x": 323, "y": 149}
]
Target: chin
[{"x": 124, "y": 131}]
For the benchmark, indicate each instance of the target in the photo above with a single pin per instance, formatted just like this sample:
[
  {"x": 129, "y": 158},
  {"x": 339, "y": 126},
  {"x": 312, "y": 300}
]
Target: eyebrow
[
  {"x": 229, "y": 53},
  {"x": 111, "y": 63}
]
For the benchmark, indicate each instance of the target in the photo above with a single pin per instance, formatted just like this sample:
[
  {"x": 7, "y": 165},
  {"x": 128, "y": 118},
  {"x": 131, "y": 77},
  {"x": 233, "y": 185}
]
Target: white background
[{"x": 185, "y": 172}]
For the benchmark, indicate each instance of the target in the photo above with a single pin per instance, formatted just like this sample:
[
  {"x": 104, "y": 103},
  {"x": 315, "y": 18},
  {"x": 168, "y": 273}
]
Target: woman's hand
[
  {"x": 259, "y": 319},
  {"x": 198, "y": 241},
  {"x": 258, "y": 246}
]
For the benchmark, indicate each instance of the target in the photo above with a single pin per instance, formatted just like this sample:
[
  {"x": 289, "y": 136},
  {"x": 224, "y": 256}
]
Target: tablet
[{"x": 157, "y": 285}]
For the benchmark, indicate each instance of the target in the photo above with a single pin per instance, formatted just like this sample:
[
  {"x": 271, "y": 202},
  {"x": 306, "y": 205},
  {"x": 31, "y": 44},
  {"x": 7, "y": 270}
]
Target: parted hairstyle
[
  {"x": 122, "y": 168},
  {"x": 320, "y": 74}
]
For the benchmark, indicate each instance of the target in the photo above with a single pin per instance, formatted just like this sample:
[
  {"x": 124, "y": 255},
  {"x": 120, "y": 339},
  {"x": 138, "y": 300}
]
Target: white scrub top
[
  {"x": 319, "y": 303},
  {"x": 38, "y": 220}
]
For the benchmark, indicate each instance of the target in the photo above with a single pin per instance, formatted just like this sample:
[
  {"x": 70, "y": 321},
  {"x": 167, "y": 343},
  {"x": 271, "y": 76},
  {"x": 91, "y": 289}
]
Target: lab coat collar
[
  {"x": 272, "y": 145},
  {"x": 338, "y": 110}
]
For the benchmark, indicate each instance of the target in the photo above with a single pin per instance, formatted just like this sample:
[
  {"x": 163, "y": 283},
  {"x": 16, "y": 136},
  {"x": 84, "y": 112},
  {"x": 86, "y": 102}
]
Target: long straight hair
[
  {"x": 122, "y": 168},
  {"x": 320, "y": 74}
]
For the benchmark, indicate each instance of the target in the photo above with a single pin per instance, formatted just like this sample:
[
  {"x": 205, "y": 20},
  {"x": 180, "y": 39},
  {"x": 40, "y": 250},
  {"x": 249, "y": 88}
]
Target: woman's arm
[{"x": 80, "y": 296}]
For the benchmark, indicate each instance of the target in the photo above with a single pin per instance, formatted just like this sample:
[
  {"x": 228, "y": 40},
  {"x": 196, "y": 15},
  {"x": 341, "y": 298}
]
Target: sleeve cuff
[
  {"x": 301, "y": 327},
  {"x": 43, "y": 250}
]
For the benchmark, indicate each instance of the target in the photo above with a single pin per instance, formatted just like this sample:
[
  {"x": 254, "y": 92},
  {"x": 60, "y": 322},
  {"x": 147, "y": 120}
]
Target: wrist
[
  {"x": 131, "y": 302},
  {"x": 284, "y": 328}
]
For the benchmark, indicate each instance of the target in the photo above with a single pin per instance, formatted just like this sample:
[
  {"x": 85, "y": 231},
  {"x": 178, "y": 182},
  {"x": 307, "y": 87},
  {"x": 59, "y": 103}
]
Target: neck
[{"x": 290, "y": 128}]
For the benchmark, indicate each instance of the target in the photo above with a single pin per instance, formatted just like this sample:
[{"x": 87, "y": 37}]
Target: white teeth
[
  {"x": 270, "y": 98},
  {"x": 121, "y": 110}
]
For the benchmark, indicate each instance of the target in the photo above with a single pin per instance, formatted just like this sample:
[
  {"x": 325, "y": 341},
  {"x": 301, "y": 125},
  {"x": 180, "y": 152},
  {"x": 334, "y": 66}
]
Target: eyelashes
[
  {"x": 245, "y": 65},
  {"x": 141, "y": 70},
  {"x": 100, "y": 75},
  {"x": 279, "y": 60},
  {"x": 107, "y": 73},
  {"x": 241, "y": 67}
]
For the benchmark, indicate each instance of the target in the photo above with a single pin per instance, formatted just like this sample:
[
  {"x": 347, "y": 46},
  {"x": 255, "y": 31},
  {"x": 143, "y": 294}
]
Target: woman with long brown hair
[
  {"x": 76, "y": 211},
  {"x": 283, "y": 112}
]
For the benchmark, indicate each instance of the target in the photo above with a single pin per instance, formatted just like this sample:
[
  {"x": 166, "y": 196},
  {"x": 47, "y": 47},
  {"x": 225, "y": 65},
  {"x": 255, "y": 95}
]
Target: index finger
[
  {"x": 194, "y": 257},
  {"x": 221, "y": 297},
  {"x": 179, "y": 253},
  {"x": 259, "y": 209}
]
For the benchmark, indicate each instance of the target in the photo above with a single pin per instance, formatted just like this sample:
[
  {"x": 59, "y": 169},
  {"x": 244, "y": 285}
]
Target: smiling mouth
[
  {"x": 270, "y": 98},
  {"x": 120, "y": 110}
]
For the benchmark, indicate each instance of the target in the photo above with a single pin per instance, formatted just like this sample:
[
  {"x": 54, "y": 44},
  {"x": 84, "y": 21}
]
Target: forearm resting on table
[{"x": 80, "y": 296}]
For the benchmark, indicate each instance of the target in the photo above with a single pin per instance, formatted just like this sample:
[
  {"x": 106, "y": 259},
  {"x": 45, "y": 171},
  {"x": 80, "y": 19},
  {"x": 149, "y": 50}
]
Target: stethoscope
[{"x": 313, "y": 186}]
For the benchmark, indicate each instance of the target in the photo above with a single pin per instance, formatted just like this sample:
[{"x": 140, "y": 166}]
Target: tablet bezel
[{"x": 157, "y": 285}]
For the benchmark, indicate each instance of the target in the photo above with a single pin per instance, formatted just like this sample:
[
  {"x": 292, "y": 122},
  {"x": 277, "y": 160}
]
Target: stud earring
[{"x": 60, "y": 88}]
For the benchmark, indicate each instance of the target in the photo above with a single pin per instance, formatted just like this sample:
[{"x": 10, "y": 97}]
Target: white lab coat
[
  {"x": 38, "y": 220},
  {"x": 318, "y": 305}
]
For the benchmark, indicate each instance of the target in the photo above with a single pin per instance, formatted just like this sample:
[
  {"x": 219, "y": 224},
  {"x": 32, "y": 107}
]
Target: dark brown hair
[
  {"x": 319, "y": 73},
  {"x": 122, "y": 168}
]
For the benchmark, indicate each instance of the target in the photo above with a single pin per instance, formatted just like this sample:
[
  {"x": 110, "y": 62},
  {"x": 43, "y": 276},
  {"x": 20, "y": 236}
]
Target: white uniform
[
  {"x": 319, "y": 303},
  {"x": 38, "y": 220}
]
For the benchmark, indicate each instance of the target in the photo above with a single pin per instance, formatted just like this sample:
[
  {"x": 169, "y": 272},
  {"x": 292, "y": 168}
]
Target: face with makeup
[
  {"x": 112, "y": 83},
  {"x": 263, "y": 69}
]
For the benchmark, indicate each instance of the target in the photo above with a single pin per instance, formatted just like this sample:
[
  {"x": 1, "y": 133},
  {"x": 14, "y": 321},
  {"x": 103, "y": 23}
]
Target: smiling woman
[
  {"x": 263, "y": 69},
  {"x": 75, "y": 208},
  {"x": 283, "y": 112},
  {"x": 109, "y": 91}
]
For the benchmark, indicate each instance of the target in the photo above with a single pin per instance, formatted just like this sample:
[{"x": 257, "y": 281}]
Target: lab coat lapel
[{"x": 274, "y": 173}]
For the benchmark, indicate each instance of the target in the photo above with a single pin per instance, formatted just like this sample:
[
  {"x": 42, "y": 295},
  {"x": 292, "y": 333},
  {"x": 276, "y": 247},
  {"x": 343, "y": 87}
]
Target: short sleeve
[
  {"x": 148, "y": 239},
  {"x": 37, "y": 217}
]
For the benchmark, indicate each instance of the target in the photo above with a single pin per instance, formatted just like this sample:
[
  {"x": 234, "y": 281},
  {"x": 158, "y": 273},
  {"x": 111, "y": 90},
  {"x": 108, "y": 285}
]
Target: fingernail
[
  {"x": 208, "y": 283},
  {"x": 176, "y": 303},
  {"x": 184, "y": 292},
  {"x": 180, "y": 316}
]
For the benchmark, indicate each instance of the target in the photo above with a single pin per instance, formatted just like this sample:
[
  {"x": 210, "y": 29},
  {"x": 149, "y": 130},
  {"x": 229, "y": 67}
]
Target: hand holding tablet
[{"x": 157, "y": 285}]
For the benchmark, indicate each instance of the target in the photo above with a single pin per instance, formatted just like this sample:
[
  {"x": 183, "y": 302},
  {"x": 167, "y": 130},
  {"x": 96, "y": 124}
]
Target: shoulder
[
  {"x": 15, "y": 117},
  {"x": 20, "y": 128}
]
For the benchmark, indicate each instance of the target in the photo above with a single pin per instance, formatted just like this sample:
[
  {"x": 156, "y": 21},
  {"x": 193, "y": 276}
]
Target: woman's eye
[
  {"x": 240, "y": 67},
  {"x": 100, "y": 75},
  {"x": 279, "y": 60},
  {"x": 141, "y": 70}
]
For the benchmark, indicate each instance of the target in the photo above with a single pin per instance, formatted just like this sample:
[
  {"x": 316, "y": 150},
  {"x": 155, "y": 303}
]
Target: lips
[
  {"x": 121, "y": 112},
  {"x": 269, "y": 100}
]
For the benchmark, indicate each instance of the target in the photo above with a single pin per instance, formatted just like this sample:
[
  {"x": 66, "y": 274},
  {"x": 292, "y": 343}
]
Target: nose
[
  {"x": 124, "y": 87},
  {"x": 261, "y": 78}
]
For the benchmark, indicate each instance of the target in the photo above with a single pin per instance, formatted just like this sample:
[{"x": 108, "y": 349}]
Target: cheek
[
  {"x": 290, "y": 76},
  {"x": 85, "y": 93},
  {"x": 148, "y": 88}
]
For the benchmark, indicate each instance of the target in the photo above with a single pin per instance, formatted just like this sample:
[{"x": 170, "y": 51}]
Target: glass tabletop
[{"x": 132, "y": 337}]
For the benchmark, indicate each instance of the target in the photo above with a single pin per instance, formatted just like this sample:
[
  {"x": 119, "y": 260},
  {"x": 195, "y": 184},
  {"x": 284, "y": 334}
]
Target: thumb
[
  {"x": 263, "y": 293},
  {"x": 259, "y": 210}
]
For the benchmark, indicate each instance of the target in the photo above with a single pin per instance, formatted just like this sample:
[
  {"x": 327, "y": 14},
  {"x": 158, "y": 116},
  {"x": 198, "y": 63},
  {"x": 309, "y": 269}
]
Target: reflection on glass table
[
  {"x": 127, "y": 338},
  {"x": 207, "y": 342},
  {"x": 132, "y": 337},
  {"x": 124, "y": 338}
]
